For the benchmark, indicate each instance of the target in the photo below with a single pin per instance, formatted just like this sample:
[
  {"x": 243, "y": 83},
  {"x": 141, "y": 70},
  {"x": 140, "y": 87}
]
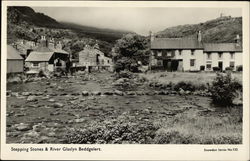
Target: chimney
[
  {"x": 152, "y": 37},
  {"x": 96, "y": 46},
  {"x": 51, "y": 44},
  {"x": 237, "y": 40},
  {"x": 59, "y": 45},
  {"x": 199, "y": 37},
  {"x": 44, "y": 42}
]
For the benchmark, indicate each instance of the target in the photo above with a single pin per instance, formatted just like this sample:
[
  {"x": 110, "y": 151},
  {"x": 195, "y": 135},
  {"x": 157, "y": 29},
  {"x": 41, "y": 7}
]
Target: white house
[
  {"x": 222, "y": 55},
  {"x": 191, "y": 54}
]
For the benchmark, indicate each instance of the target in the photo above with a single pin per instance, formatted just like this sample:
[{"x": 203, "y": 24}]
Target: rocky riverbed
[{"x": 44, "y": 110}]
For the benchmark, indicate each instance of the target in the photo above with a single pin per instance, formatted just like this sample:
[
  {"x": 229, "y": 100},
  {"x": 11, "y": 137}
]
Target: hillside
[
  {"x": 24, "y": 23},
  {"x": 222, "y": 29},
  {"x": 108, "y": 35},
  {"x": 19, "y": 15}
]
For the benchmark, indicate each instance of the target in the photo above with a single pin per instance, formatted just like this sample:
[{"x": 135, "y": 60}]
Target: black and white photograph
[{"x": 124, "y": 75}]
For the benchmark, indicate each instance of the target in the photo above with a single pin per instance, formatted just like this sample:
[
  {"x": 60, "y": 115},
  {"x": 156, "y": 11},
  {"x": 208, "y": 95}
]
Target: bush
[
  {"x": 223, "y": 89},
  {"x": 202, "y": 67},
  {"x": 216, "y": 69},
  {"x": 41, "y": 74},
  {"x": 239, "y": 68},
  {"x": 229, "y": 69},
  {"x": 115, "y": 131},
  {"x": 124, "y": 74},
  {"x": 186, "y": 86}
]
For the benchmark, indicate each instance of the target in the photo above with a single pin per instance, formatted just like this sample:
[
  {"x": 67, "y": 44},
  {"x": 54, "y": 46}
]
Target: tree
[{"x": 130, "y": 49}]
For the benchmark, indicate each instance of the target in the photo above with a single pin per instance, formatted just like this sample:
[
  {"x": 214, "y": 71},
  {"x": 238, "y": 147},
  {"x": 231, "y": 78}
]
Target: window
[
  {"x": 209, "y": 66},
  {"x": 159, "y": 54},
  {"x": 180, "y": 52},
  {"x": 102, "y": 61},
  {"x": 108, "y": 61},
  {"x": 208, "y": 55},
  {"x": 232, "y": 64},
  {"x": 154, "y": 61},
  {"x": 35, "y": 64},
  {"x": 192, "y": 52},
  {"x": 169, "y": 53},
  {"x": 159, "y": 62},
  {"x": 192, "y": 62},
  {"x": 220, "y": 55},
  {"x": 232, "y": 55}
]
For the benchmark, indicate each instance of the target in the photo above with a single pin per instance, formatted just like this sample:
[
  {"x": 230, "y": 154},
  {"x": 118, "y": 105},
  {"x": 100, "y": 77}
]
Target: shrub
[
  {"x": 229, "y": 69},
  {"x": 216, "y": 69},
  {"x": 115, "y": 131},
  {"x": 202, "y": 67},
  {"x": 223, "y": 89},
  {"x": 124, "y": 74},
  {"x": 187, "y": 86},
  {"x": 239, "y": 68},
  {"x": 41, "y": 74}
]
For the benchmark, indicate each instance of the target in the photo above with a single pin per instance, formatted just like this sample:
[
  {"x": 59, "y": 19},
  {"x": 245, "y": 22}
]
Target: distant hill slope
[
  {"x": 222, "y": 29},
  {"x": 108, "y": 35},
  {"x": 24, "y": 23},
  {"x": 18, "y": 15},
  {"x": 21, "y": 18}
]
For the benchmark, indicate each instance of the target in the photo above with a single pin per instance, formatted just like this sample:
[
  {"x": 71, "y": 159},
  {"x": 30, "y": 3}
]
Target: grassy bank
[{"x": 195, "y": 78}]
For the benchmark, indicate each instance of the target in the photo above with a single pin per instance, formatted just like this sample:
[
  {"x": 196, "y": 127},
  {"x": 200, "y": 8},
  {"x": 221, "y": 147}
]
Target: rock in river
[
  {"x": 85, "y": 93},
  {"x": 23, "y": 127},
  {"x": 32, "y": 99},
  {"x": 51, "y": 100},
  {"x": 119, "y": 93},
  {"x": 58, "y": 105},
  {"x": 26, "y": 93},
  {"x": 96, "y": 93}
]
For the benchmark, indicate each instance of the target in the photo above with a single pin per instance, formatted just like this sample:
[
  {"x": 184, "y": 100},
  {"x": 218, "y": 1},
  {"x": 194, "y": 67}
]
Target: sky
[{"x": 139, "y": 20}]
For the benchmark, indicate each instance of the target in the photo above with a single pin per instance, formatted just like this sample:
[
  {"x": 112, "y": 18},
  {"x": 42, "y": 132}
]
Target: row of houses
[
  {"x": 48, "y": 55},
  {"x": 171, "y": 54},
  {"x": 191, "y": 54}
]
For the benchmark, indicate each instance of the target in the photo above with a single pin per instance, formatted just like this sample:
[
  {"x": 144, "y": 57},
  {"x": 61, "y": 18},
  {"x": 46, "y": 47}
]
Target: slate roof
[
  {"x": 13, "y": 54},
  {"x": 222, "y": 47},
  {"x": 47, "y": 49},
  {"x": 176, "y": 43},
  {"x": 39, "y": 56}
]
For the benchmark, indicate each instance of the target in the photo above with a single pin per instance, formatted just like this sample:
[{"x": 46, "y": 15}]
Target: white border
[{"x": 131, "y": 152}]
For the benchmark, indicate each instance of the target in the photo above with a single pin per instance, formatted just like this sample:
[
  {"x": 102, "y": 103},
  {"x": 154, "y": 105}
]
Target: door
[
  {"x": 180, "y": 66},
  {"x": 220, "y": 65},
  {"x": 174, "y": 65}
]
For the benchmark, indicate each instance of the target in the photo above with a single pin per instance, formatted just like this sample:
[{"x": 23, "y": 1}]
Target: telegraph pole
[{"x": 150, "y": 34}]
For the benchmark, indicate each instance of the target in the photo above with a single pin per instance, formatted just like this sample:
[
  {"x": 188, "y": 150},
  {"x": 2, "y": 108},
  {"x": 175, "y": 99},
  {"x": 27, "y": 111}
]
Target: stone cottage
[
  {"x": 91, "y": 58},
  {"x": 48, "y": 57}
]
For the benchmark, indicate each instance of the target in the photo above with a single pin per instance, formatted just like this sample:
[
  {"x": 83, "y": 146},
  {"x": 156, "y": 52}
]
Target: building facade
[
  {"x": 15, "y": 63},
  {"x": 191, "y": 54},
  {"x": 91, "y": 58},
  {"x": 48, "y": 57}
]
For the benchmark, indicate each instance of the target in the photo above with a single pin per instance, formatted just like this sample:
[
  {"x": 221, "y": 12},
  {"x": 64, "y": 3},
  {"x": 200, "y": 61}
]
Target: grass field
[{"x": 195, "y": 78}]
